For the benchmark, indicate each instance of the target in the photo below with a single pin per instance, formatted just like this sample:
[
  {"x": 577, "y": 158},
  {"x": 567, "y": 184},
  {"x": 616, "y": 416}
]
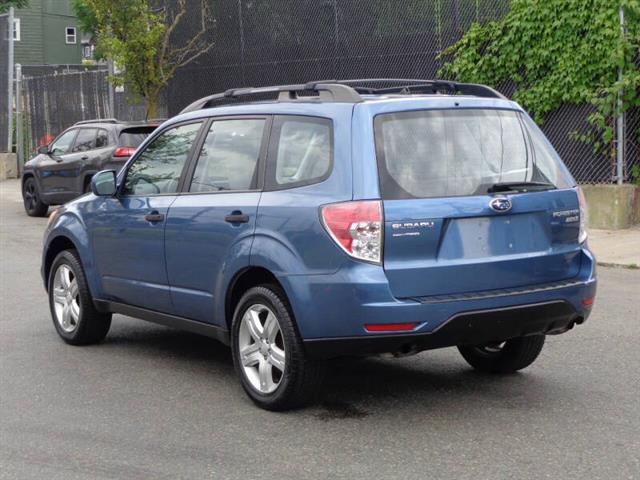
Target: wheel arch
[
  {"x": 55, "y": 246},
  {"x": 68, "y": 232},
  {"x": 86, "y": 180},
  {"x": 242, "y": 281},
  {"x": 27, "y": 175}
]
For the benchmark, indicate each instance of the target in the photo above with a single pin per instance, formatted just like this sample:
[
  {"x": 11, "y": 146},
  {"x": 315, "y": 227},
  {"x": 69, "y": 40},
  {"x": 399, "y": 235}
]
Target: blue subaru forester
[{"x": 340, "y": 218}]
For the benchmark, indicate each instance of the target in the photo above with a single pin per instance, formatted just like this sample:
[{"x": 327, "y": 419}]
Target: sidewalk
[{"x": 620, "y": 248}]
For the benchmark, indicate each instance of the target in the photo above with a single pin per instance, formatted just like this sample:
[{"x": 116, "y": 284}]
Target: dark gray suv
[{"x": 63, "y": 169}]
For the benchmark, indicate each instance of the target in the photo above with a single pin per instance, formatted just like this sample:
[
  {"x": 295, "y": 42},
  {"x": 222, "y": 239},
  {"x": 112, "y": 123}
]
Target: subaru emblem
[{"x": 500, "y": 204}]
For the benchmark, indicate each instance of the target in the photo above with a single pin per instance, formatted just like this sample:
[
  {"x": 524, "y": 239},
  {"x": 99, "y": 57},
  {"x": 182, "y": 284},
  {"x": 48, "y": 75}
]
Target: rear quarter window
[
  {"x": 133, "y": 137},
  {"x": 301, "y": 151}
]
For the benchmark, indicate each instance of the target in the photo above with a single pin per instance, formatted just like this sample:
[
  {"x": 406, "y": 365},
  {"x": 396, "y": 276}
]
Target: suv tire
[
  {"x": 269, "y": 357},
  {"x": 33, "y": 204},
  {"x": 74, "y": 315},
  {"x": 508, "y": 357}
]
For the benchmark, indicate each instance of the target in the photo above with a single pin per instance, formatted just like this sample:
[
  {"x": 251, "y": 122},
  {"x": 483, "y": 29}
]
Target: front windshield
[{"x": 443, "y": 153}]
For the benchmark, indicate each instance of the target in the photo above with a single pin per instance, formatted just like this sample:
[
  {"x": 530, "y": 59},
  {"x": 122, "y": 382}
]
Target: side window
[
  {"x": 158, "y": 168},
  {"x": 102, "y": 140},
  {"x": 229, "y": 156},
  {"x": 63, "y": 143},
  {"x": 86, "y": 140},
  {"x": 301, "y": 150}
]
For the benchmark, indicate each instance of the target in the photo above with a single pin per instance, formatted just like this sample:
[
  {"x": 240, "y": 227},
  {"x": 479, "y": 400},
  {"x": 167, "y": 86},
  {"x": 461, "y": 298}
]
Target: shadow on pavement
[{"x": 354, "y": 387}]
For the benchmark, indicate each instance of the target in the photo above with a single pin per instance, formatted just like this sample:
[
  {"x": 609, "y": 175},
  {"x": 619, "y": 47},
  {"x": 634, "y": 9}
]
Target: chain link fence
[
  {"x": 4, "y": 83},
  {"x": 55, "y": 97},
  {"x": 261, "y": 43}
]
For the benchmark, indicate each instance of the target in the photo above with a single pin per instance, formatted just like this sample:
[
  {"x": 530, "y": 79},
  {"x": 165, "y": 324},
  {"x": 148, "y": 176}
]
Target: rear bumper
[
  {"x": 332, "y": 310},
  {"x": 468, "y": 328}
]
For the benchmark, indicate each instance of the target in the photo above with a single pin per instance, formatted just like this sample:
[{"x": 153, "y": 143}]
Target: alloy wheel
[
  {"x": 66, "y": 298},
  {"x": 261, "y": 348},
  {"x": 30, "y": 195},
  {"x": 491, "y": 348}
]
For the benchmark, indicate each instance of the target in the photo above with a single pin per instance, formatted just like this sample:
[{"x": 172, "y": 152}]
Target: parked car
[
  {"x": 62, "y": 170},
  {"x": 339, "y": 220}
]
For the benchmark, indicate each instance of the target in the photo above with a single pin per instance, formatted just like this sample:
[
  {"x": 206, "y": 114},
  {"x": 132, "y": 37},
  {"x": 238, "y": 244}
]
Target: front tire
[
  {"x": 74, "y": 316},
  {"x": 268, "y": 353},
  {"x": 33, "y": 204},
  {"x": 505, "y": 357}
]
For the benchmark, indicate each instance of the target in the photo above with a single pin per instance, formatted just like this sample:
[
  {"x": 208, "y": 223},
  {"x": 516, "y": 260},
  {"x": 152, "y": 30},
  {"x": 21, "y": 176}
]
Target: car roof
[
  {"x": 375, "y": 104},
  {"x": 328, "y": 97},
  {"x": 117, "y": 124}
]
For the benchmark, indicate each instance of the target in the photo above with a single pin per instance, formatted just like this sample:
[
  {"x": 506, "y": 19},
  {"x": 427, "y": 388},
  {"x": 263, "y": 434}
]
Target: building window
[
  {"x": 16, "y": 29},
  {"x": 71, "y": 35}
]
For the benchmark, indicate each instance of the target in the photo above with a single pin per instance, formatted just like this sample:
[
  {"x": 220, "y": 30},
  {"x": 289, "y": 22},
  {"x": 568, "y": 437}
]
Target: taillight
[
  {"x": 356, "y": 227},
  {"x": 582, "y": 235},
  {"x": 124, "y": 152}
]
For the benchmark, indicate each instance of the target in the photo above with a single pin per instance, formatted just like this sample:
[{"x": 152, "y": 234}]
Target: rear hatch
[{"x": 474, "y": 200}]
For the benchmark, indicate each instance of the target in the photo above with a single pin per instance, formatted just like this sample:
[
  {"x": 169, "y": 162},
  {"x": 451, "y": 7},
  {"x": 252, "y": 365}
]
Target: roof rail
[
  {"x": 327, "y": 91},
  {"x": 98, "y": 120},
  {"x": 348, "y": 91},
  {"x": 414, "y": 85}
]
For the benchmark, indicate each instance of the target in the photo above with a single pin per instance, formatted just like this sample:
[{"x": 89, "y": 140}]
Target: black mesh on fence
[
  {"x": 286, "y": 41},
  {"x": 4, "y": 84},
  {"x": 59, "y": 96},
  {"x": 632, "y": 146}
]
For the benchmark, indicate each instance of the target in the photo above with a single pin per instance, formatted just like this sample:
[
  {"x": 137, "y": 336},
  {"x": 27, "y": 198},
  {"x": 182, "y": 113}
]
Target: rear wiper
[{"x": 520, "y": 187}]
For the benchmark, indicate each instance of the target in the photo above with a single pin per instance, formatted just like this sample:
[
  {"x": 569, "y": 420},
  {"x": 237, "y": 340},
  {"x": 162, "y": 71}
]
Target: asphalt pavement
[{"x": 151, "y": 402}]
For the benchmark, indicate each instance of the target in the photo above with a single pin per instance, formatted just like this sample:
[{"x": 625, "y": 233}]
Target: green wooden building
[{"x": 46, "y": 33}]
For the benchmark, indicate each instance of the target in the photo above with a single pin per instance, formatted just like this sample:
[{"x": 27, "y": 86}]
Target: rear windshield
[
  {"x": 133, "y": 137},
  {"x": 444, "y": 153}
]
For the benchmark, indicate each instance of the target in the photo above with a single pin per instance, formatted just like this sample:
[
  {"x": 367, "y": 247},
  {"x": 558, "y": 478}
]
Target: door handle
[
  {"x": 237, "y": 217},
  {"x": 85, "y": 158},
  {"x": 154, "y": 217}
]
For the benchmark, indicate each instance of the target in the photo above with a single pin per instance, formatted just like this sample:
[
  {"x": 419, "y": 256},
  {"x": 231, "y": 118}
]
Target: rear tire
[
  {"x": 74, "y": 316},
  {"x": 507, "y": 357},
  {"x": 33, "y": 204},
  {"x": 268, "y": 353}
]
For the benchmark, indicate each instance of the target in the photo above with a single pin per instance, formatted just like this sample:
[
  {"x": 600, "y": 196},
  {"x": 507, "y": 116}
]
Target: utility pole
[
  {"x": 112, "y": 94},
  {"x": 10, "y": 28},
  {"x": 620, "y": 120},
  {"x": 19, "y": 121}
]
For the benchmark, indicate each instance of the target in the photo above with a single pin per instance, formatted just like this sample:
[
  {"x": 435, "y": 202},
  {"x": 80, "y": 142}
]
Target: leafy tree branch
[
  {"x": 139, "y": 36},
  {"x": 555, "y": 52},
  {"x": 6, "y": 4}
]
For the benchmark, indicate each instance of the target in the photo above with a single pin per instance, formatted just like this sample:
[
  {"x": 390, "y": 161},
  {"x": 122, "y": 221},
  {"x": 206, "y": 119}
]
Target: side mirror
[
  {"x": 44, "y": 150},
  {"x": 103, "y": 184}
]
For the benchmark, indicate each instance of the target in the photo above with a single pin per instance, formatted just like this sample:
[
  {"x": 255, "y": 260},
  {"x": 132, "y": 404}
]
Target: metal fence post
[
  {"x": 112, "y": 94},
  {"x": 19, "y": 121},
  {"x": 10, "y": 28},
  {"x": 620, "y": 120}
]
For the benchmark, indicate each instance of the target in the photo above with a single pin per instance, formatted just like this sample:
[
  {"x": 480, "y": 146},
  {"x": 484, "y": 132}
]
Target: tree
[
  {"x": 139, "y": 36},
  {"x": 6, "y": 4},
  {"x": 557, "y": 51},
  {"x": 88, "y": 23}
]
